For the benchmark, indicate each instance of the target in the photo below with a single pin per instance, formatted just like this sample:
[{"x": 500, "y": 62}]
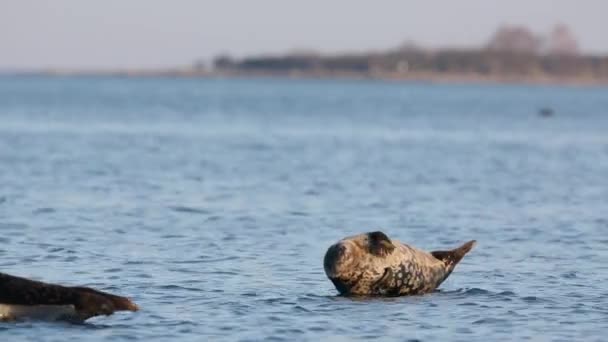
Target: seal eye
[{"x": 380, "y": 244}]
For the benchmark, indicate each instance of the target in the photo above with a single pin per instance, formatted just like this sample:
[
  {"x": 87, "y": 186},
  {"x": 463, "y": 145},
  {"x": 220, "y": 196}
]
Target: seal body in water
[
  {"x": 22, "y": 298},
  {"x": 371, "y": 264}
]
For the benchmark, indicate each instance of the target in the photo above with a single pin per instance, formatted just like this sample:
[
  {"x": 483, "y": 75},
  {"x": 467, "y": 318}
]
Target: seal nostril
[{"x": 341, "y": 250}]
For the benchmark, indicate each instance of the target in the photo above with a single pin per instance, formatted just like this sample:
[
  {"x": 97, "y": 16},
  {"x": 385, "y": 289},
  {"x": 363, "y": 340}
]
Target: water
[{"x": 212, "y": 202}]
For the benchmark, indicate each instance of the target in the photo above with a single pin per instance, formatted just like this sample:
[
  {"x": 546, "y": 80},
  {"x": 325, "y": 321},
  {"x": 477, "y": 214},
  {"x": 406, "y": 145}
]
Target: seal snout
[{"x": 334, "y": 258}]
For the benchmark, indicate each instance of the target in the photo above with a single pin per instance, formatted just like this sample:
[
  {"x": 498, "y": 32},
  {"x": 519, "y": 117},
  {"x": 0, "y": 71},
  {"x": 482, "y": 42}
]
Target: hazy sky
[{"x": 150, "y": 33}]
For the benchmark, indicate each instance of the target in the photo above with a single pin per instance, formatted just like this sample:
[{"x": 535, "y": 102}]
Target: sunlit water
[{"x": 212, "y": 202}]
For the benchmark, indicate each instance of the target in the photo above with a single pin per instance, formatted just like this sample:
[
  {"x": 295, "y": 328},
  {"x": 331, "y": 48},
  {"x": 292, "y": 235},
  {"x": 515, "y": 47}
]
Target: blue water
[{"x": 212, "y": 202}]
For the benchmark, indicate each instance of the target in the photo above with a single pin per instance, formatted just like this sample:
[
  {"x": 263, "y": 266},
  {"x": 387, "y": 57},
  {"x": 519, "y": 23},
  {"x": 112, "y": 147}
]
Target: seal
[
  {"x": 371, "y": 264},
  {"x": 22, "y": 298}
]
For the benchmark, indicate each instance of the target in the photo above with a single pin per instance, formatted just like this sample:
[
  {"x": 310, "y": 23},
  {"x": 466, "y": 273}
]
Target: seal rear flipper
[
  {"x": 453, "y": 257},
  {"x": 118, "y": 302},
  {"x": 92, "y": 303}
]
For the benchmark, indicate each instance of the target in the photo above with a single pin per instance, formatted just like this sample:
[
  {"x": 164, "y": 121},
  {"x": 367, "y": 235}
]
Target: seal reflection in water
[
  {"x": 372, "y": 264},
  {"x": 24, "y": 298}
]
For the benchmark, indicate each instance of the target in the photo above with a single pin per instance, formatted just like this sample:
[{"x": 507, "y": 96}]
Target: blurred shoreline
[
  {"x": 415, "y": 76},
  {"x": 513, "y": 55}
]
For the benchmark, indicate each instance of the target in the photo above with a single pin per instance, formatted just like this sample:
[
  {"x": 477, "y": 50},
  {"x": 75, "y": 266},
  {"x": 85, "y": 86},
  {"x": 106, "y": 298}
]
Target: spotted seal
[
  {"x": 372, "y": 264},
  {"x": 25, "y": 298}
]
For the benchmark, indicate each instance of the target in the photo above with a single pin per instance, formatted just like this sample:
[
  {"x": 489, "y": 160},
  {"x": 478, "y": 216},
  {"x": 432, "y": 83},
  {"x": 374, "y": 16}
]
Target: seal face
[
  {"x": 25, "y": 298},
  {"x": 373, "y": 264}
]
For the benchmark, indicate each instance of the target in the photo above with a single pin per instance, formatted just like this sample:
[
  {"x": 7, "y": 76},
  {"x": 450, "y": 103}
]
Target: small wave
[
  {"x": 204, "y": 260},
  {"x": 536, "y": 299},
  {"x": 313, "y": 297},
  {"x": 230, "y": 273},
  {"x": 189, "y": 210},
  {"x": 172, "y": 236},
  {"x": 301, "y": 309},
  {"x": 214, "y": 218},
  {"x": 469, "y": 304},
  {"x": 173, "y": 287},
  {"x": 502, "y": 295},
  {"x": 312, "y": 192},
  {"x": 471, "y": 292},
  {"x": 12, "y": 225},
  {"x": 490, "y": 320}
]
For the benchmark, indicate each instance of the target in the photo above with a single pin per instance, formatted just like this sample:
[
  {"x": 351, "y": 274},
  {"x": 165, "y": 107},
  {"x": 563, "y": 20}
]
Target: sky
[{"x": 107, "y": 34}]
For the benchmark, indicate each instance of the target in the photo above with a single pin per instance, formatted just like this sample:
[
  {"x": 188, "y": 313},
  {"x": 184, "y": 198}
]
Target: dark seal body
[
  {"x": 25, "y": 298},
  {"x": 372, "y": 264}
]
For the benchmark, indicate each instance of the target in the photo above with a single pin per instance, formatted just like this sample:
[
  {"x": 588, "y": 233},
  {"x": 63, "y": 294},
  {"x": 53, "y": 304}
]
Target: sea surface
[{"x": 211, "y": 203}]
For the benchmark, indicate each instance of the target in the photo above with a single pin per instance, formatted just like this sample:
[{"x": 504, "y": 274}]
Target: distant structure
[
  {"x": 409, "y": 46},
  {"x": 304, "y": 52},
  {"x": 516, "y": 39},
  {"x": 561, "y": 42},
  {"x": 223, "y": 62},
  {"x": 519, "y": 39},
  {"x": 199, "y": 65}
]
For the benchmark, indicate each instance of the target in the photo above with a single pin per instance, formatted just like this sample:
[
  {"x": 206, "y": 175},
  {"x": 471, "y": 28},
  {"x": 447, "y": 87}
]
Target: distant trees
[
  {"x": 511, "y": 51},
  {"x": 519, "y": 39},
  {"x": 562, "y": 42},
  {"x": 223, "y": 62}
]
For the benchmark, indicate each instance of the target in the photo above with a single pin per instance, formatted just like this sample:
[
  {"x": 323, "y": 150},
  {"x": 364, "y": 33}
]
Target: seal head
[{"x": 357, "y": 260}]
